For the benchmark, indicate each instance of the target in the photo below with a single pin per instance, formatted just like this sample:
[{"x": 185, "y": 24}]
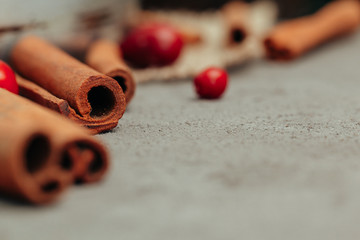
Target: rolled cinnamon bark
[
  {"x": 293, "y": 38},
  {"x": 189, "y": 34},
  {"x": 236, "y": 16},
  {"x": 83, "y": 154},
  {"x": 41, "y": 96},
  {"x": 105, "y": 57},
  {"x": 95, "y": 100},
  {"x": 37, "y": 160}
]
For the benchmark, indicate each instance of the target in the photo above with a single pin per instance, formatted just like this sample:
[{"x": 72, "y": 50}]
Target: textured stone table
[{"x": 277, "y": 158}]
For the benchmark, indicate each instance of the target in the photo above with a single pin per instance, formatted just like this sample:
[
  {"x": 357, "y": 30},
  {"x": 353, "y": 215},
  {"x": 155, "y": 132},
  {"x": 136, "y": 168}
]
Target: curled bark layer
[{"x": 94, "y": 100}]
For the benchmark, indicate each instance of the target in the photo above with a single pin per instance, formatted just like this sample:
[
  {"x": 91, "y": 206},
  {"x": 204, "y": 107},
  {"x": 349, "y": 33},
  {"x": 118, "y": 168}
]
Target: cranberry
[
  {"x": 211, "y": 83},
  {"x": 152, "y": 44},
  {"x": 7, "y": 78}
]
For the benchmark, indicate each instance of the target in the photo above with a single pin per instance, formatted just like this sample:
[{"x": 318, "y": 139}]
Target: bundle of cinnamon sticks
[
  {"x": 56, "y": 80},
  {"x": 41, "y": 152},
  {"x": 45, "y": 141}
]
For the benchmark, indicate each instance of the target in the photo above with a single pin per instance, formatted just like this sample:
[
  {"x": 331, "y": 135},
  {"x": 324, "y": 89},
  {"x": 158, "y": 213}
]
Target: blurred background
[
  {"x": 72, "y": 24},
  {"x": 288, "y": 8}
]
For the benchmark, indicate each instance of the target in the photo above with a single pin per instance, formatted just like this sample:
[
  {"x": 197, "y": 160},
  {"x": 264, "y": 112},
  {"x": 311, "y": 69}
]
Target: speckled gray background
[{"x": 277, "y": 158}]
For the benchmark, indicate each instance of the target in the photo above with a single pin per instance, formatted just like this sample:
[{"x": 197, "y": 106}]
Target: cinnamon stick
[
  {"x": 105, "y": 56},
  {"x": 41, "y": 152},
  {"x": 236, "y": 15},
  {"x": 293, "y": 38},
  {"x": 94, "y": 100},
  {"x": 189, "y": 34}
]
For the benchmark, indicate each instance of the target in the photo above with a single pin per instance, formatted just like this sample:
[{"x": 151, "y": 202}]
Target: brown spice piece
[
  {"x": 36, "y": 145},
  {"x": 95, "y": 100},
  {"x": 41, "y": 96},
  {"x": 293, "y": 38},
  {"x": 105, "y": 57},
  {"x": 236, "y": 15},
  {"x": 189, "y": 35}
]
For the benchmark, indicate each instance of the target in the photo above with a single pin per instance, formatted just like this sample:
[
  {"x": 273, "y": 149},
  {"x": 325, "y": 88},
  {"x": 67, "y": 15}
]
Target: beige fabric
[{"x": 213, "y": 50}]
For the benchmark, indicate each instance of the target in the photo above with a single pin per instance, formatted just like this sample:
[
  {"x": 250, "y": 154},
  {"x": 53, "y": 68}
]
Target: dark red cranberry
[
  {"x": 152, "y": 45},
  {"x": 211, "y": 83},
  {"x": 7, "y": 78}
]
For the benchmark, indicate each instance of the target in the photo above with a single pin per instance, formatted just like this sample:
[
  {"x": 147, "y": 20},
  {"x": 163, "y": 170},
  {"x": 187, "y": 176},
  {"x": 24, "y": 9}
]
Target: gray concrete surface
[{"x": 277, "y": 158}]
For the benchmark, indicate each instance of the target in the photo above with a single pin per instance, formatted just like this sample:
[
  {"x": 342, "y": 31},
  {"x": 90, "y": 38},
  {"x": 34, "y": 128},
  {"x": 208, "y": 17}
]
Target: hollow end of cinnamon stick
[
  {"x": 39, "y": 182},
  {"x": 105, "y": 57},
  {"x": 87, "y": 159},
  {"x": 96, "y": 100},
  {"x": 236, "y": 14},
  {"x": 125, "y": 81},
  {"x": 237, "y": 35}
]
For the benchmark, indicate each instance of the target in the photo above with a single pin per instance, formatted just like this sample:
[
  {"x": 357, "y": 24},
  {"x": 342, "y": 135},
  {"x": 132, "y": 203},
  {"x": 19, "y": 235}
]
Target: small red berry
[
  {"x": 152, "y": 44},
  {"x": 211, "y": 83},
  {"x": 7, "y": 78}
]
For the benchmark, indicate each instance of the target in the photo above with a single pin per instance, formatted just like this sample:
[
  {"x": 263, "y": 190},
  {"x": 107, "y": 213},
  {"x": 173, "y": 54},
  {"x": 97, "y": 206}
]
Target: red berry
[
  {"x": 152, "y": 45},
  {"x": 211, "y": 83},
  {"x": 7, "y": 78}
]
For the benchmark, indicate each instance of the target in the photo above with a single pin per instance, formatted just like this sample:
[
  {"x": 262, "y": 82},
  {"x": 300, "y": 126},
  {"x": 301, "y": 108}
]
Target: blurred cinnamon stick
[
  {"x": 94, "y": 100},
  {"x": 105, "y": 57},
  {"x": 293, "y": 38},
  {"x": 37, "y": 152}
]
